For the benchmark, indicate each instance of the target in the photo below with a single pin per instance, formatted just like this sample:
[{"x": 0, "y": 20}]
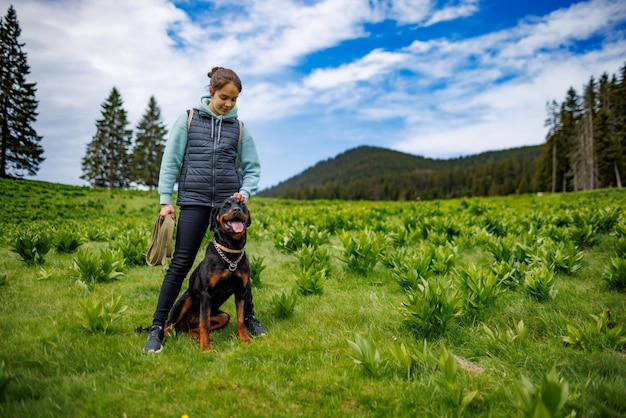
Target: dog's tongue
[{"x": 237, "y": 226}]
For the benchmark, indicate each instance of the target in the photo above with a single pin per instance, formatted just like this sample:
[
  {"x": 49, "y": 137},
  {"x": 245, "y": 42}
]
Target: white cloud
[
  {"x": 464, "y": 9},
  {"x": 368, "y": 68}
]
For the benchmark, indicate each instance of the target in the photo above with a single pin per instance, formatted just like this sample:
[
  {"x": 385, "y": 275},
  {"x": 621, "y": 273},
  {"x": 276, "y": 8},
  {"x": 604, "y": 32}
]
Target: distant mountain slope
[{"x": 368, "y": 167}]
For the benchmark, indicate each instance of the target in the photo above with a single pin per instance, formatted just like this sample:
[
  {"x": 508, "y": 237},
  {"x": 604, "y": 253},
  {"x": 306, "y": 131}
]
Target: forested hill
[{"x": 373, "y": 173}]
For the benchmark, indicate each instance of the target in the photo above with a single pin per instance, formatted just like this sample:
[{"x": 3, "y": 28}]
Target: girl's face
[{"x": 224, "y": 99}]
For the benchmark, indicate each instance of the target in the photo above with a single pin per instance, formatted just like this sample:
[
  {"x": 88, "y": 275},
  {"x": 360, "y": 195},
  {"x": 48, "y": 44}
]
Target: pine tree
[
  {"x": 107, "y": 160},
  {"x": 618, "y": 123},
  {"x": 585, "y": 172},
  {"x": 553, "y": 123},
  {"x": 20, "y": 151},
  {"x": 570, "y": 116},
  {"x": 149, "y": 145},
  {"x": 607, "y": 149}
]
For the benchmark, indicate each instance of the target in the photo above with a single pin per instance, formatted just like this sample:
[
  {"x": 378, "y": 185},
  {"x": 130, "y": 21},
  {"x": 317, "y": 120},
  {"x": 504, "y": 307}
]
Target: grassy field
[{"x": 508, "y": 306}]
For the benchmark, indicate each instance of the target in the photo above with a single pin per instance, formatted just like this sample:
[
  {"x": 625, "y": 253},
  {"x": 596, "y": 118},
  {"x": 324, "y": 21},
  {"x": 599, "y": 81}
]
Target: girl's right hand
[{"x": 167, "y": 210}]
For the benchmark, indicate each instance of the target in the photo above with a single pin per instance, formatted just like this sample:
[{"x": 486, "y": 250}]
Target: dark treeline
[{"x": 371, "y": 173}]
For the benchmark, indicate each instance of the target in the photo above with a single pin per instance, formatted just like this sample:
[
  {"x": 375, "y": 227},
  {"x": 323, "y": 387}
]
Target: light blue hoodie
[{"x": 175, "y": 150}]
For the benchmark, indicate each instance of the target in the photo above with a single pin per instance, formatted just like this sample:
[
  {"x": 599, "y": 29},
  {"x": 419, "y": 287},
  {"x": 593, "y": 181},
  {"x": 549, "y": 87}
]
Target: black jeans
[{"x": 193, "y": 222}]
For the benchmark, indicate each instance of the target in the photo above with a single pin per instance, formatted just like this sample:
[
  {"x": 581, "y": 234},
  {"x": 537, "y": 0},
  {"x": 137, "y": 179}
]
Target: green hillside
[{"x": 374, "y": 173}]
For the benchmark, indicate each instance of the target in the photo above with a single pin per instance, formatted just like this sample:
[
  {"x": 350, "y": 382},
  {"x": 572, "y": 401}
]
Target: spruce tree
[
  {"x": 107, "y": 160},
  {"x": 20, "y": 151},
  {"x": 149, "y": 145},
  {"x": 571, "y": 112},
  {"x": 619, "y": 125},
  {"x": 607, "y": 147}
]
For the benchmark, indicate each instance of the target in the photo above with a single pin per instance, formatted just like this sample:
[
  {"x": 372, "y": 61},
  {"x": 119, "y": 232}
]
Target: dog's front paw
[
  {"x": 206, "y": 347},
  {"x": 205, "y": 342}
]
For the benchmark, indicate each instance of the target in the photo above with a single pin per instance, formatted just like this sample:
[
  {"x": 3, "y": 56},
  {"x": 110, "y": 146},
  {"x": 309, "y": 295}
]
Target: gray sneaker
[
  {"x": 155, "y": 340},
  {"x": 254, "y": 327}
]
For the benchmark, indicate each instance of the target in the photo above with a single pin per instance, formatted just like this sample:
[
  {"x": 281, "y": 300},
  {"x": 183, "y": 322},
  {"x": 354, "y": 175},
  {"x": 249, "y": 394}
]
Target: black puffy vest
[{"x": 208, "y": 175}]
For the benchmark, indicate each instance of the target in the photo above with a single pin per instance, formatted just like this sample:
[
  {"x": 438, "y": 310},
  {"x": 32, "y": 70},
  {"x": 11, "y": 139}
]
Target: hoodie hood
[
  {"x": 216, "y": 120},
  {"x": 203, "y": 106}
]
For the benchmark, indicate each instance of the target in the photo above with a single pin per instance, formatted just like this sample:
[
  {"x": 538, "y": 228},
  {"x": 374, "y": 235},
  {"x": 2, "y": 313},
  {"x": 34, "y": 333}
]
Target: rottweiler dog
[{"x": 223, "y": 272}]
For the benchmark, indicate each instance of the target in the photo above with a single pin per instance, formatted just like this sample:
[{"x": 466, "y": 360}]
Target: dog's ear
[
  {"x": 249, "y": 220},
  {"x": 213, "y": 222}
]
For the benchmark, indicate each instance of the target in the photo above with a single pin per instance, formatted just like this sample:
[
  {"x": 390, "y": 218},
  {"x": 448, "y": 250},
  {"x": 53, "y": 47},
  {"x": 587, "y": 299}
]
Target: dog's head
[{"x": 232, "y": 218}]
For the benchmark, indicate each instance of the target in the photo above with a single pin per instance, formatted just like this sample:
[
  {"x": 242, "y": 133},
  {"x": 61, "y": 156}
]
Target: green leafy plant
[
  {"x": 103, "y": 267},
  {"x": 583, "y": 236},
  {"x": 393, "y": 258},
  {"x": 403, "y": 358},
  {"x": 362, "y": 250},
  {"x": 606, "y": 219},
  {"x": 539, "y": 283},
  {"x": 509, "y": 273},
  {"x": 284, "y": 304},
  {"x": 545, "y": 399},
  {"x": 432, "y": 307},
  {"x": 413, "y": 266},
  {"x": 555, "y": 233},
  {"x": 403, "y": 236},
  {"x": 443, "y": 259},
  {"x": 563, "y": 257},
  {"x": 445, "y": 227},
  {"x": 449, "y": 381},
  {"x": 408, "y": 279},
  {"x": 597, "y": 332},
  {"x": 502, "y": 249},
  {"x": 44, "y": 274},
  {"x": 296, "y": 238},
  {"x": 365, "y": 353},
  {"x": 257, "y": 266},
  {"x": 620, "y": 247},
  {"x": 98, "y": 317},
  {"x": 410, "y": 361},
  {"x": 32, "y": 246},
  {"x": 3, "y": 279},
  {"x": 495, "y": 226},
  {"x": 97, "y": 234},
  {"x": 66, "y": 242},
  {"x": 502, "y": 339},
  {"x": 479, "y": 287},
  {"x": 133, "y": 247},
  {"x": 615, "y": 274},
  {"x": 313, "y": 257},
  {"x": 311, "y": 280},
  {"x": 620, "y": 229}
]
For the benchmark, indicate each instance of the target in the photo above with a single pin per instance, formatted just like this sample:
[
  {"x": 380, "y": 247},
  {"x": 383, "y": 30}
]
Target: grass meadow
[{"x": 489, "y": 307}]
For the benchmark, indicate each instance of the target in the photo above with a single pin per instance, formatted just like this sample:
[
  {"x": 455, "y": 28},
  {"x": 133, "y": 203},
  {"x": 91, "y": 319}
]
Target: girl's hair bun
[{"x": 221, "y": 76}]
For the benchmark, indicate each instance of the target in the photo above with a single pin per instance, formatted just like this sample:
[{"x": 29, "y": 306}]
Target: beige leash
[{"x": 161, "y": 241}]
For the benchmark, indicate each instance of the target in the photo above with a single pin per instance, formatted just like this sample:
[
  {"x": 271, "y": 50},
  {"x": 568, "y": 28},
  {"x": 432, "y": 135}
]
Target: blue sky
[{"x": 438, "y": 79}]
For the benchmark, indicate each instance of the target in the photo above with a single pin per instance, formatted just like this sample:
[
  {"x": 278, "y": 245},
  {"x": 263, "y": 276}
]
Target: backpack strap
[
  {"x": 189, "y": 117},
  {"x": 238, "y": 160},
  {"x": 240, "y": 135}
]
